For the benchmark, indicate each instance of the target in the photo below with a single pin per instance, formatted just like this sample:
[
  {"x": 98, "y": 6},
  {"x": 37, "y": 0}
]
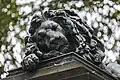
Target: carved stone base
[{"x": 65, "y": 67}]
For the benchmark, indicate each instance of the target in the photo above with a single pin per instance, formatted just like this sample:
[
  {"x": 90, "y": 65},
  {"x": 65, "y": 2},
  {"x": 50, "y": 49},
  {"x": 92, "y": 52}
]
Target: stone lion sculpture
[{"x": 59, "y": 32}]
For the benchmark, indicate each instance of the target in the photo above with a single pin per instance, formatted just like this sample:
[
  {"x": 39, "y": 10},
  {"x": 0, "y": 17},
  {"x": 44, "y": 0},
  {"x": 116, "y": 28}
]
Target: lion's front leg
[
  {"x": 32, "y": 58},
  {"x": 30, "y": 62}
]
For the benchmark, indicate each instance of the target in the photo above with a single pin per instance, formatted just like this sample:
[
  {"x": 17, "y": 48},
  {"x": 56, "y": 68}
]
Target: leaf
[
  {"x": 116, "y": 14},
  {"x": 2, "y": 70},
  {"x": 109, "y": 32},
  {"x": 21, "y": 39}
]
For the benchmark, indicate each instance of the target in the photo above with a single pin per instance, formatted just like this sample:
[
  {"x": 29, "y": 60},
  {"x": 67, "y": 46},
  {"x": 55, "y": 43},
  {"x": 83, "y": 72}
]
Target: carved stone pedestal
[{"x": 65, "y": 67}]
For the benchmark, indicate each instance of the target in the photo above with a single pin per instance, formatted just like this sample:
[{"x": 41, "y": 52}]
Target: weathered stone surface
[
  {"x": 62, "y": 47},
  {"x": 65, "y": 67},
  {"x": 57, "y": 32}
]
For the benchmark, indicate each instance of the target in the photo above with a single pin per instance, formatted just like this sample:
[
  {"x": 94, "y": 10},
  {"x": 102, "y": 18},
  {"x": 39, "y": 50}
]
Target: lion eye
[{"x": 41, "y": 33}]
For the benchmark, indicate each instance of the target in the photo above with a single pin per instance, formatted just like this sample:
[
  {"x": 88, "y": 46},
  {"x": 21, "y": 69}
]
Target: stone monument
[{"x": 59, "y": 32}]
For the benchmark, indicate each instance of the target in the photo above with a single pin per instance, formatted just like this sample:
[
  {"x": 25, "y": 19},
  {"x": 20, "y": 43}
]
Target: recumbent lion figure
[
  {"x": 58, "y": 32},
  {"x": 61, "y": 32}
]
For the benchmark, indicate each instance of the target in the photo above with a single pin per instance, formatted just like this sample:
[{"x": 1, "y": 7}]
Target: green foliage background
[{"x": 14, "y": 22}]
